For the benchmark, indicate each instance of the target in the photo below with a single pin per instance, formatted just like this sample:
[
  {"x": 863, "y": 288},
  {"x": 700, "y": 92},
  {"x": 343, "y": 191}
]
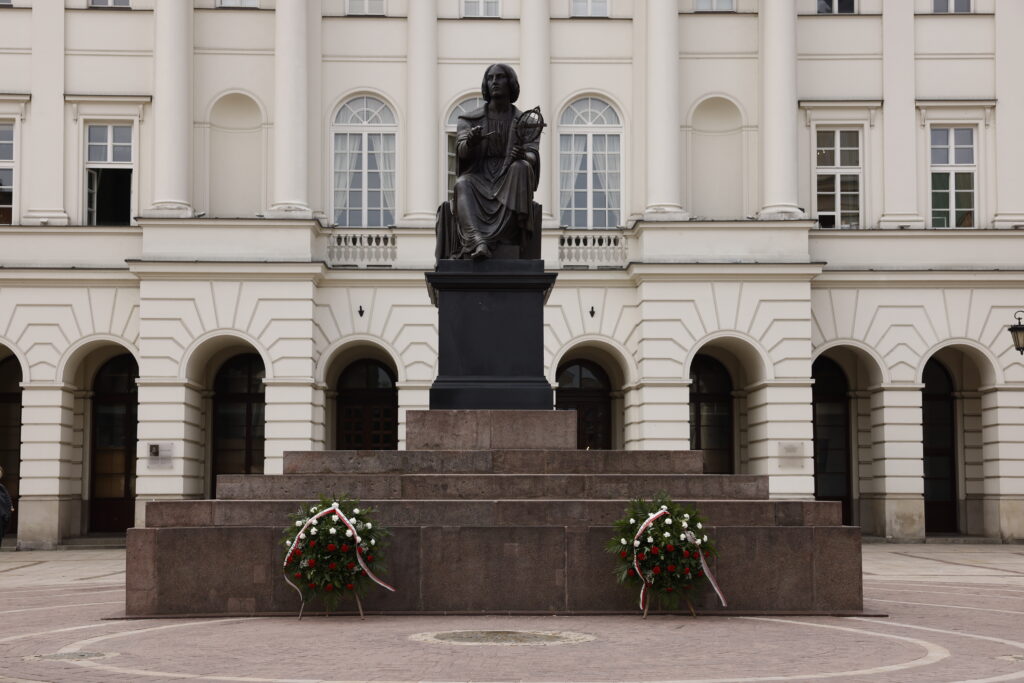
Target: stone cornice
[{"x": 227, "y": 270}]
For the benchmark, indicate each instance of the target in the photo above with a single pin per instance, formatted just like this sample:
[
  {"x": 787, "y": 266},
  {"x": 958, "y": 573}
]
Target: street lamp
[{"x": 1017, "y": 332}]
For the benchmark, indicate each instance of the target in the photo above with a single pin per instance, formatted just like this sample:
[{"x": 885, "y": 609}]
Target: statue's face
[{"x": 497, "y": 83}]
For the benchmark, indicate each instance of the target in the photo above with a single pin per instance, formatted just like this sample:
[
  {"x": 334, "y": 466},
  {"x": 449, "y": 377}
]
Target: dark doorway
[
  {"x": 939, "y": 425},
  {"x": 367, "y": 407},
  {"x": 711, "y": 418},
  {"x": 584, "y": 386},
  {"x": 10, "y": 432},
  {"x": 115, "y": 422},
  {"x": 832, "y": 456},
  {"x": 239, "y": 402}
]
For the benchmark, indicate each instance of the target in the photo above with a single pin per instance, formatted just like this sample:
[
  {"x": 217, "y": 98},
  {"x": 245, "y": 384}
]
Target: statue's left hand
[{"x": 518, "y": 152}]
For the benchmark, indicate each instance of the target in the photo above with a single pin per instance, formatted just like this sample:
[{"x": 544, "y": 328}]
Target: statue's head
[{"x": 511, "y": 82}]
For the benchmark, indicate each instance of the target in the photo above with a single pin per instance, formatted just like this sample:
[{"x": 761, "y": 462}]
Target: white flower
[
  {"x": 353, "y": 521},
  {"x": 298, "y": 522},
  {"x": 334, "y": 505},
  {"x": 369, "y": 525},
  {"x": 312, "y": 510},
  {"x": 313, "y": 531},
  {"x": 682, "y": 537},
  {"x": 314, "y": 522},
  {"x": 348, "y": 533},
  {"x": 302, "y": 535},
  {"x": 668, "y": 520},
  {"x": 686, "y": 516},
  {"x": 287, "y": 542},
  {"x": 355, "y": 511},
  {"x": 685, "y": 525},
  {"x": 697, "y": 541},
  {"x": 358, "y": 539},
  {"x": 650, "y": 540},
  {"x": 699, "y": 525},
  {"x": 666, "y": 534},
  {"x": 373, "y": 541},
  {"x": 705, "y": 539},
  {"x": 636, "y": 544},
  {"x": 622, "y": 541},
  {"x": 333, "y": 531},
  {"x": 632, "y": 521},
  {"x": 664, "y": 507}
]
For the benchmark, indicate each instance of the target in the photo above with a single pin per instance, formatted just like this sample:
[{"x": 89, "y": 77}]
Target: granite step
[
  {"x": 492, "y": 486},
  {"x": 494, "y": 462},
  {"x": 501, "y": 513}
]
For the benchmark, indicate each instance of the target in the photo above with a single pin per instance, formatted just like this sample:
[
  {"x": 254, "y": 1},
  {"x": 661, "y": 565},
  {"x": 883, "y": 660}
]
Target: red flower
[
  {"x": 641, "y": 557},
  {"x": 298, "y": 552},
  {"x": 359, "y": 550},
  {"x": 332, "y": 565},
  {"x": 312, "y": 544},
  {"x": 298, "y": 575},
  {"x": 331, "y": 547},
  {"x": 707, "y": 554},
  {"x": 631, "y": 572},
  {"x": 350, "y": 587},
  {"x": 700, "y": 573},
  {"x": 669, "y": 589},
  {"x": 369, "y": 558},
  {"x": 344, "y": 547},
  {"x": 328, "y": 587},
  {"x": 657, "y": 570},
  {"x": 686, "y": 553},
  {"x": 312, "y": 562},
  {"x": 623, "y": 554},
  {"x": 312, "y": 586},
  {"x": 686, "y": 570},
  {"x": 654, "y": 550},
  {"x": 350, "y": 565},
  {"x": 671, "y": 548},
  {"x": 671, "y": 568}
]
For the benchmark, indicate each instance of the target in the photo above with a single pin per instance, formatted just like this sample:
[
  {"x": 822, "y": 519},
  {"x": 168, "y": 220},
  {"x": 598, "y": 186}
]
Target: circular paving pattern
[{"x": 502, "y": 637}]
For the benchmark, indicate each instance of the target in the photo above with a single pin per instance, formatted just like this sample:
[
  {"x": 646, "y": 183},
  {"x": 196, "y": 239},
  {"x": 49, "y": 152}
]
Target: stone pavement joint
[{"x": 954, "y": 614}]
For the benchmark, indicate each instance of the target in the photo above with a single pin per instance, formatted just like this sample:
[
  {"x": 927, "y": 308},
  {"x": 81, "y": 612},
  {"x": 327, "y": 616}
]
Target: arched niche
[
  {"x": 716, "y": 166},
  {"x": 237, "y": 157}
]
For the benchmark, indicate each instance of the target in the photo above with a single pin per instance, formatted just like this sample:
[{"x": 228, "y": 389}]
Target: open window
[{"x": 109, "y": 164}]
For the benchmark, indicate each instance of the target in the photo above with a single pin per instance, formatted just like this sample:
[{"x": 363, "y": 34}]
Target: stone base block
[{"x": 490, "y": 429}]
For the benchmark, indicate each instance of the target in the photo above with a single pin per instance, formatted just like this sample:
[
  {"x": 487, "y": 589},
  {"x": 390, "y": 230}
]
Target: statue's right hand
[{"x": 476, "y": 133}]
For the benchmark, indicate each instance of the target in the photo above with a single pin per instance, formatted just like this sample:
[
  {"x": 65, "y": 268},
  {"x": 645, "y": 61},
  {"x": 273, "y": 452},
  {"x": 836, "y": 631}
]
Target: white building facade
[{"x": 788, "y": 232}]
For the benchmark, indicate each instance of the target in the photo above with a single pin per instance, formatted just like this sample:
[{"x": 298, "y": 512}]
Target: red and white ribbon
[
  {"x": 690, "y": 537},
  {"x": 355, "y": 537}
]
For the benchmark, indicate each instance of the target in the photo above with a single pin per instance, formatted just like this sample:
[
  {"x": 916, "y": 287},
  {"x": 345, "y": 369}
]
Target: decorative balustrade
[
  {"x": 367, "y": 249},
  {"x": 590, "y": 249}
]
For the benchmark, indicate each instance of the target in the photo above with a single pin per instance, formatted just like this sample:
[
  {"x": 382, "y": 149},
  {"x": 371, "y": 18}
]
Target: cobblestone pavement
[{"x": 955, "y": 613}]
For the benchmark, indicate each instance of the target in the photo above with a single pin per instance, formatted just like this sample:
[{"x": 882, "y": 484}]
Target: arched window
[
  {"x": 939, "y": 425},
  {"x": 462, "y": 108},
  {"x": 711, "y": 415},
  {"x": 238, "y": 417},
  {"x": 364, "y": 163},
  {"x": 590, "y": 162},
  {"x": 115, "y": 423},
  {"x": 367, "y": 407},
  {"x": 832, "y": 455},
  {"x": 584, "y": 386},
  {"x": 10, "y": 431}
]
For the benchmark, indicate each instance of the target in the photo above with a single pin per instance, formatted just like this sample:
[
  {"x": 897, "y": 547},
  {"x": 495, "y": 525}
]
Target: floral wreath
[
  {"x": 663, "y": 548},
  {"x": 330, "y": 551}
]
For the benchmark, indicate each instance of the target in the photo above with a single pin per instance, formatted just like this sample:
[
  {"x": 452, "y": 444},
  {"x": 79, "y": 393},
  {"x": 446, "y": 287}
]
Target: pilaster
[
  {"x": 661, "y": 414},
  {"x": 1002, "y": 419},
  {"x": 896, "y": 441},
  {"x": 780, "y": 437},
  {"x": 535, "y": 63},
  {"x": 1009, "y": 113},
  {"x": 290, "y": 419}
]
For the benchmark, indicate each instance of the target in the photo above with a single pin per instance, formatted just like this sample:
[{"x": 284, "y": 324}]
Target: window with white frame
[
  {"x": 954, "y": 172},
  {"x": 249, "y": 4},
  {"x": 835, "y": 6},
  {"x": 108, "y": 167},
  {"x": 369, "y": 7},
  {"x": 364, "y": 163},
  {"x": 6, "y": 173},
  {"x": 714, "y": 6},
  {"x": 480, "y": 8},
  {"x": 589, "y": 165},
  {"x": 451, "y": 127},
  {"x": 589, "y": 8},
  {"x": 109, "y": 3},
  {"x": 951, "y": 6},
  {"x": 838, "y": 178}
]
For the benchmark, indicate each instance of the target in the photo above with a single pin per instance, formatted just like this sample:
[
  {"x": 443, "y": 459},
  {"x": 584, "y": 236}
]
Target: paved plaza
[{"x": 955, "y": 612}]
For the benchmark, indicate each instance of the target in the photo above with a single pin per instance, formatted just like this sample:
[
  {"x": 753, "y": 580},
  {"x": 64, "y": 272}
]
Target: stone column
[
  {"x": 535, "y": 77},
  {"x": 779, "y": 112},
  {"x": 896, "y": 441},
  {"x": 43, "y": 172},
  {"x": 51, "y": 471},
  {"x": 899, "y": 128},
  {"x": 1009, "y": 113},
  {"x": 1002, "y": 420},
  {"x": 421, "y": 172},
  {"x": 664, "y": 137},
  {"x": 290, "y": 419},
  {"x": 662, "y": 416},
  {"x": 780, "y": 437},
  {"x": 172, "y": 110},
  {"x": 290, "y": 197}
]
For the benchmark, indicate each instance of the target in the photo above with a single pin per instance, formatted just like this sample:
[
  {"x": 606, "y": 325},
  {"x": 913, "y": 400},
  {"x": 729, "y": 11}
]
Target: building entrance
[
  {"x": 584, "y": 386},
  {"x": 114, "y": 431}
]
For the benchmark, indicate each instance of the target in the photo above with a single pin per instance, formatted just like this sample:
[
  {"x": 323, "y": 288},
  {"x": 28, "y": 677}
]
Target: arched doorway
[
  {"x": 114, "y": 430},
  {"x": 711, "y": 414},
  {"x": 584, "y": 386},
  {"x": 10, "y": 432},
  {"x": 832, "y": 457},
  {"x": 939, "y": 425},
  {"x": 367, "y": 407},
  {"x": 238, "y": 417}
]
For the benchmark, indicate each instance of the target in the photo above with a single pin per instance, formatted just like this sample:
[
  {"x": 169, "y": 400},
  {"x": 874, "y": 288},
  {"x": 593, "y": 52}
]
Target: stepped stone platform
[{"x": 487, "y": 528}]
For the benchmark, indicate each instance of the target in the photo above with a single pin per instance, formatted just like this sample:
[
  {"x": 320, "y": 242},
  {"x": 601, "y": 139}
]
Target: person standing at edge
[{"x": 6, "y": 507}]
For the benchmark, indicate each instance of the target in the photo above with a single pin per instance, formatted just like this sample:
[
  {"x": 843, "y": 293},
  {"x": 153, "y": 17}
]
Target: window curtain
[
  {"x": 385, "y": 158},
  {"x": 347, "y": 161},
  {"x": 572, "y": 164}
]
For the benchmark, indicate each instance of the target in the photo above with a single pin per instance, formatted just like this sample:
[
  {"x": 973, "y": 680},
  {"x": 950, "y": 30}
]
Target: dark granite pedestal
[
  {"x": 492, "y": 512},
  {"x": 490, "y": 335}
]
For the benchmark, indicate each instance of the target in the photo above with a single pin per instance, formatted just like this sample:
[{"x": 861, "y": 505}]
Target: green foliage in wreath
[
  {"x": 669, "y": 560},
  {"x": 324, "y": 562}
]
